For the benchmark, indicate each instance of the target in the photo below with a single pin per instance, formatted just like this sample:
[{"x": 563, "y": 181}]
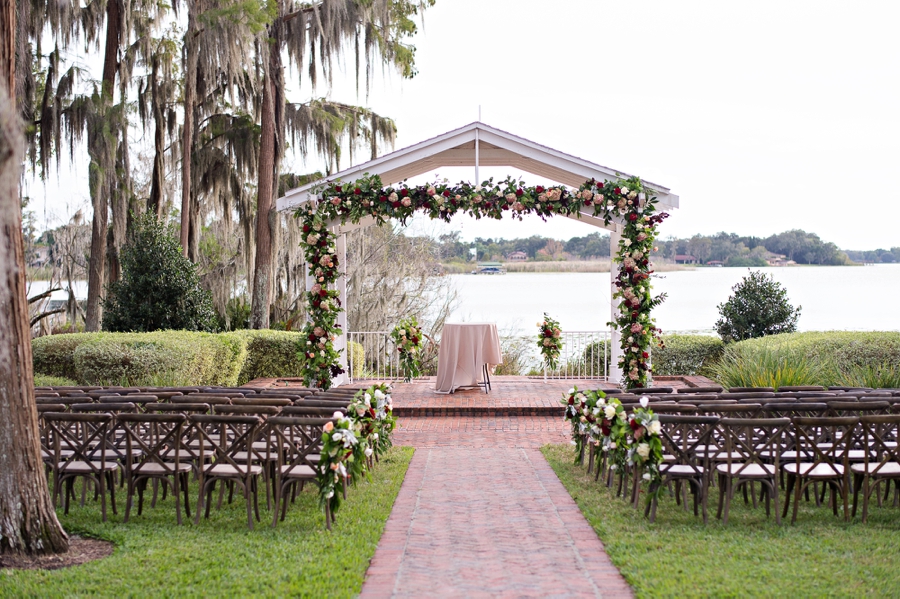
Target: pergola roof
[{"x": 496, "y": 148}]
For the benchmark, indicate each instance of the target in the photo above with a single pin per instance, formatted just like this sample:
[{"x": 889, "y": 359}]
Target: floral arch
[{"x": 627, "y": 206}]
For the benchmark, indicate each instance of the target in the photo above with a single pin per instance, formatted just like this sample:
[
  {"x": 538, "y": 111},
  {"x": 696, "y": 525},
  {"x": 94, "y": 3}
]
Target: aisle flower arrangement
[
  {"x": 550, "y": 341},
  {"x": 348, "y": 441},
  {"x": 645, "y": 447},
  {"x": 408, "y": 339},
  {"x": 584, "y": 412},
  {"x": 623, "y": 201}
]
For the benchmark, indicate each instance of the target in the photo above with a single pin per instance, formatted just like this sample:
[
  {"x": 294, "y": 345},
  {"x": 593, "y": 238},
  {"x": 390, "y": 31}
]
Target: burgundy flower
[
  {"x": 617, "y": 190},
  {"x": 539, "y": 189},
  {"x": 599, "y": 185},
  {"x": 645, "y": 355},
  {"x": 306, "y": 228},
  {"x": 337, "y": 188},
  {"x": 519, "y": 192},
  {"x": 605, "y": 430},
  {"x": 357, "y": 191},
  {"x": 382, "y": 199},
  {"x": 395, "y": 204},
  {"x": 634, "y": 424},
  {"x": 404, "y": 193},
  {"x": 446, "y": 194},
  {"x": 632, "y": 217},
  {"x": 323, "y": 293}
]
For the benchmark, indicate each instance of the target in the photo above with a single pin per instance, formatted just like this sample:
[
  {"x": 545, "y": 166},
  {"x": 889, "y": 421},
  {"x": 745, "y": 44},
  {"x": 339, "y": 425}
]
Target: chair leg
[
  {"x": 787, "y": 495},
  {"x": 187, "y": 501}
]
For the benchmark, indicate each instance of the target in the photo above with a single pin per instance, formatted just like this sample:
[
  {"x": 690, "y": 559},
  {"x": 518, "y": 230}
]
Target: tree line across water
[{"x": 727, "y": 249}]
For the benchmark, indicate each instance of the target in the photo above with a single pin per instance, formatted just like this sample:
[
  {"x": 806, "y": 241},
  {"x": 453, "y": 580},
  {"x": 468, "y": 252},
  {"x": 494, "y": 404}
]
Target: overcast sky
[{"x": 761, "y": 116}]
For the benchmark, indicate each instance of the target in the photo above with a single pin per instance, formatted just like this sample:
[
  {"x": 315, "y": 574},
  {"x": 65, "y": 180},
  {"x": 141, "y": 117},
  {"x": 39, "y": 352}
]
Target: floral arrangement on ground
[
  {"x": 408, "y": 339},
  {"x": 549, "y": 341},
  {"x": 351, "y": 441},
  {"x": 623, "y": 201}
]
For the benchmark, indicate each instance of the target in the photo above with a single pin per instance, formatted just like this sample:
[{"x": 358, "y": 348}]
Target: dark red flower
[
  {"x": 519, "y": 192},
  {"x": 605, "y": 430},
  {"x": 634, "y": 315},
  {"x": 414, "y": 339},
  {"x": 587, "y": 202},
  {"x": 312, "y": 337},
  {"x": 645, "y": 355},
  {"x": 395, "y": 204},
  {"x": 634, "y": 424},
  {"x": 323, "y": 293},
  {"x": 571, "y": 400},
  {"x": 638, "y": 385},
  {"x": 632, "y": 217},
  {"x": 306, "y": 228},
  {"x": 357, "y": 191},
  {"x": 382, "y": 198},
  {"x": 539, "y": 189},
  {"x": 599, "y": 185},
  {"x": 617, "y": 190},
  {"x": 404, "y": 193},
  {"x": 337, "y": 188},
  {"x": 446, "y": 194}
]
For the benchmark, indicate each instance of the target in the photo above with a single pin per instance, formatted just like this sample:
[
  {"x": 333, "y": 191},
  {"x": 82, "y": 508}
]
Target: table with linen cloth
[{"x": 465, "y": 350}]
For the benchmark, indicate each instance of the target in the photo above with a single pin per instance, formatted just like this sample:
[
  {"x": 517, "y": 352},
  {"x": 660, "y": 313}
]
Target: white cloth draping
[{"x": 465, "y": 349}]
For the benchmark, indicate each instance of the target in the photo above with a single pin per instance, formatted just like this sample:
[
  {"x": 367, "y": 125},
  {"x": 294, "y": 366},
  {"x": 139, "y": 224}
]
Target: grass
[
  {"x": 220, "y": 557},
  {"x": 752, "y": 557}
]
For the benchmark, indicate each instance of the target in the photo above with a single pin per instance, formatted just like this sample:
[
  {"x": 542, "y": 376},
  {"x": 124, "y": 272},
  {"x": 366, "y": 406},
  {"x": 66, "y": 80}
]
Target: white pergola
[{"x": 475, "y": 145}]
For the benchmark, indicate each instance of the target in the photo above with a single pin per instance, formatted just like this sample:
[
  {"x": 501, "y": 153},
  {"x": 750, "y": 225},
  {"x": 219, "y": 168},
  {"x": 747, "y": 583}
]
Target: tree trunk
[
  {"x": 190, "y": 91},
  {"x": 262, "y": 280},
  {"x": 28, "y": 521},
  {"x": 103, "y": 172},
  {"x": 156, "y": 200}
]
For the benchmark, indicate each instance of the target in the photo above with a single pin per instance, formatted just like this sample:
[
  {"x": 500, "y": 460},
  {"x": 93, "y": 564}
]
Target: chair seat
[
  {"x": 299, "y": 471},
  {"x": 722, "y": 456},
  {"x": 85, "y": 467},
  {"x": 241, "y": 456},
  {"x": 888, "y": 470},
  {"x": 821, "y": 471},
  {"x": 229, "y": 470},
  {"x": 681, "y": 470},
  {"x": 747, "y": 470},
  {"x": 154, "y": 468}
]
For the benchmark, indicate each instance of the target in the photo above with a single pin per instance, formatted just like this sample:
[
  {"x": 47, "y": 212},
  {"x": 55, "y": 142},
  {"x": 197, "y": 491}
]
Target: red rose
[
  {"x": 306, "y": 228},
  {"x": 519, "y": 192},
  {"x": 571, "y": 400},
  {"x": 404, "y": 193},
  {"x": 632, "y": 217},
  {"x": 382, "y": 199},
  {"x": 634, "y": 424},
  {"x": 587, "y": 202},
  {"x": 323, "y": 293},
  {"x": 645, "y": 355},
  {"x": 312, "y": 337},
  {"x": 446, "y": 194},
  {"x": 506, "y": 206},
  {"x": 337, "y": 188},
  {"x": 599, "y": 185},
  {"x": 605, "y": 430},
  {"x": 357, "y": 191},
  {"x": 395, "y": 204},
  {"x": 634, "y": 315},
  {"x": 539, "y": 189},
  {"x": 414, "y": 339},
  {"x": 617, "y": 190}
]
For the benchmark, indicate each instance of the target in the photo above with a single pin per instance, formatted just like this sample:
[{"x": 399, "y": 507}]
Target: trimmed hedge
[
  {"x": 843, "y": 347},
  {"x": 269, "y": 354},
  {"x": 168, "y": 357},
  {"x": 686, "y": 355}
]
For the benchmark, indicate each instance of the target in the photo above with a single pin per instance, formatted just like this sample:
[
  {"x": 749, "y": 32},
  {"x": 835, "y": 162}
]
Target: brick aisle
[{"x": 481, "y": 514}]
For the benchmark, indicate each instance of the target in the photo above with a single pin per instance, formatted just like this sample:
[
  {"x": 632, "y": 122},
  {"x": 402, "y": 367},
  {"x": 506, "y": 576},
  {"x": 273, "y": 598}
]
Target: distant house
[
  {"x": 685, "y": 259},
  {"x": 715, "y": 263},
  {"x": 517, "y": 256},
  {"x": 778, "y": 260}
]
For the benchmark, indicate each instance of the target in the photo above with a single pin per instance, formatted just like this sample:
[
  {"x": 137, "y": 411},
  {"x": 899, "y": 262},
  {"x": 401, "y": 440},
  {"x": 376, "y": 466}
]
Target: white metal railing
[{"x": 584, "y": 355}]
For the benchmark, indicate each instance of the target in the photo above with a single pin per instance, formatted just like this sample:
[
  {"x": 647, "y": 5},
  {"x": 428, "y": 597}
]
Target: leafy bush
[
  {"x": 356, "y": 358},
  {"x": 759, "y": 307},
  {"x": 269, "y": 354},
  {"x": 42, "y": 380},
  {"x": 686, "y": 354},
  {"x": 745, "y": 366},
  {"x": 159, "y": 289},
  {"x": 54, "y": 355},
  {"x": 159, "y": 358},
  {"x": 515, "y": 351}
]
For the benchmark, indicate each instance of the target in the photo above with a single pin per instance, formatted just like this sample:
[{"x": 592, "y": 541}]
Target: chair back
[
  {"x": 687, "y": 439},
  {"x": 153, "y": 439},
  {"x": 221, "y": 437},
  {"x": 881, "y": 434},
  {"x": 753, "y": 444},
  {"x": 825, "y": 443}
]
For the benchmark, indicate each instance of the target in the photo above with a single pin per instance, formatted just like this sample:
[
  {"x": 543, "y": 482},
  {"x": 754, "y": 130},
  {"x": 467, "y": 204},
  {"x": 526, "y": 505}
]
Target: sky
[{"x": 762, "y": 116}]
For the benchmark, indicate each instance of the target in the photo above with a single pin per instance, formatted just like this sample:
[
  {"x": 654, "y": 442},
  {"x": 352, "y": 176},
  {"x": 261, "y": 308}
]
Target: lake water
[{"x": 859, "y": 298}]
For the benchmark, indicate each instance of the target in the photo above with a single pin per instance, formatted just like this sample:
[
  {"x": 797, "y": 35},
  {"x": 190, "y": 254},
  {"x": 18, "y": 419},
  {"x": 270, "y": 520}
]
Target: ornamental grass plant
[
  {"x": 679, "y": 556},
  {"x": 220, "y": 557}
]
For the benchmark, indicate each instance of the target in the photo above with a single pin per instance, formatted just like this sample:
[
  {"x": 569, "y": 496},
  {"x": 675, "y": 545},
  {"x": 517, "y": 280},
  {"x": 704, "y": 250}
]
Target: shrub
[
  {"x": 356, "y": 358},
  {"x": 869, "y": 359},
  {"x": 42, "y": 380},
  {"x": 159, "y": 358},
  {"x": 685, "y": 354},
  {"x": 54, "y": 355},
  {"x": 159, "y": 289},
  {"x": 515, "y": 352},
  {"x": 269, "y": 354},
  {"x": 759, "y": 307}
]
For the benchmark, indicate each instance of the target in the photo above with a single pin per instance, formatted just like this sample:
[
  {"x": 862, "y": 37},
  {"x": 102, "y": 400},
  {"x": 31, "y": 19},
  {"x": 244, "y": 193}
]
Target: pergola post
[{"x": 615, "y": 347}]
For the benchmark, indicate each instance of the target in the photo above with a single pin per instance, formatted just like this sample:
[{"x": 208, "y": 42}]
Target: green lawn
[
  {"x": 679, "y": 556},
  {"x": 222, "y": 558}
]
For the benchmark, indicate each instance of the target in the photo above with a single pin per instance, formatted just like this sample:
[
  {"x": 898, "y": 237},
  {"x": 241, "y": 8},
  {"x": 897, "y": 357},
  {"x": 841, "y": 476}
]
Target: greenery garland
[
  {"x": 550, "y": 341},
  {"x": 350, "y": 440},
  {"x": 408, "y": 339},
  {"x": 624, "y": 201}
]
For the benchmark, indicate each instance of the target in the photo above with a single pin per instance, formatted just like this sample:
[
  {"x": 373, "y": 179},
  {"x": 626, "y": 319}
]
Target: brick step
[{"x": 487, "y": 410}]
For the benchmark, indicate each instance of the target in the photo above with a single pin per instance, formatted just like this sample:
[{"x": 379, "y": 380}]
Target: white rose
[
  {"x": 336, "y": 437},
  {"x": 572, "y": 390},
  {"x": 646, "y": 476},
  {"x": 610, "y": 412},
  {"x": 624, "y": 190},
  {"x": 626, "y": 242},
  {"x": 643, "y": 450},
  {"x": 632, "y": 194},
  {"x": 645, "y": 401},
  {"x": 338, "y": 415},
  {"x": 368, "y": 451},
  {"x": 655, "y": 427},
  {"x": 379, "y": 394}
]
